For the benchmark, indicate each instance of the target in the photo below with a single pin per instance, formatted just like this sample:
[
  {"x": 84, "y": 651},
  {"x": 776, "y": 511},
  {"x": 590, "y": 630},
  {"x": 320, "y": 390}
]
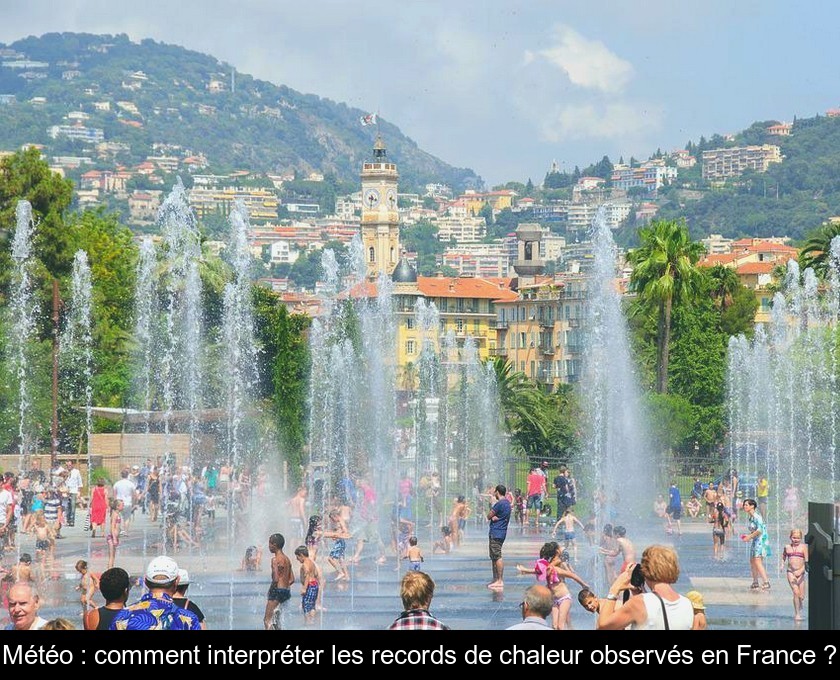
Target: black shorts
[
  {"x": 676, "y": 513},
  {"x": 280, "y": 595},
  {"x": 496, "y": 548},
  {"x": 534, "y": 502}
]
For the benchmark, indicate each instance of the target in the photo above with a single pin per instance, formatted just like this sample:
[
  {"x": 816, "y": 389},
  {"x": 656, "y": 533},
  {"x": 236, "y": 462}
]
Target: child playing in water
[
  {"x": 568, "y": 520},
  {"x": 44, "y": 541},
  {"x": 444, "y": 545},
  {"x": 313, "y": 536},
  {"x": 795, "y": 554},
  {"x": 720, "y": 527},
  {"x": 252, "y": 559},
  {"x": 552, "y": 568},
  {"x": 88, "y": 585},
  {"x": 588, "y": 600},
  {"x": 414, "y": 555},
  {"x": 338, "y": 531},
  {"x": 310, "y": 584}
]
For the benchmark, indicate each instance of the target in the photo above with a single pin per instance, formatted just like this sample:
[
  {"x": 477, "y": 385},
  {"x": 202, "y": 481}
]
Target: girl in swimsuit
[
  {"x": 795, "y": 554},
  {"x": 552, "y": 569},
  {"x": 113, "y": 537},
  {"x": 313, "y": 536}
]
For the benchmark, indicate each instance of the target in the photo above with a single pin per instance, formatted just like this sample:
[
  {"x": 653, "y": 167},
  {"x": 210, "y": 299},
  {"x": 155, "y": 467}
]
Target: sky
[{"x": 506, "y": 87}]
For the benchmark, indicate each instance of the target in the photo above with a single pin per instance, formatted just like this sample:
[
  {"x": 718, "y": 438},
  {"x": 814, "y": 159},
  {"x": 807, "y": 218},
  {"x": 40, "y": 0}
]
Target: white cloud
[
  {"x": 587, "y": 63},
  {"x": 614, "y": 120}
]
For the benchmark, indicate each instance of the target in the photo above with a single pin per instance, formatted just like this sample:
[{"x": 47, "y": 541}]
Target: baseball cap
[
  {"x": 183, "y": 577},
  {"x": 696, "y": 599},
  {"x": 162, "y": 569}
]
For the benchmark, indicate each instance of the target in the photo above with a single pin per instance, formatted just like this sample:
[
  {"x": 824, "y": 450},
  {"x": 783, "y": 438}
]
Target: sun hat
[{"x": 696, "y": 599}]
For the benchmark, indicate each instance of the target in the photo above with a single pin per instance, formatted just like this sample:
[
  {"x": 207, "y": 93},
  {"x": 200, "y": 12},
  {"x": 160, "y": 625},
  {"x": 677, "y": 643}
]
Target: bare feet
[{"x": 496, "y": 585}]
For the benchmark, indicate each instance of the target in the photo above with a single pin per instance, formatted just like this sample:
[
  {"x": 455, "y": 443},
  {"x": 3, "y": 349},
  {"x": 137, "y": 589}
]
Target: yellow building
[
  {"x": 380, "y": 219},
  {"x": 540, "y": 331},
  {"x": 474, "y": 201}
]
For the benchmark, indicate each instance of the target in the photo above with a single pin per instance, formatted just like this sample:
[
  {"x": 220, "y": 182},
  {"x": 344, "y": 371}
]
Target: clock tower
[{"x": 380, "y": 219}]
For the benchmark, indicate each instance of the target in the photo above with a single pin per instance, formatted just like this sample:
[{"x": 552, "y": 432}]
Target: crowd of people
[{"x": 348, "y": 528}]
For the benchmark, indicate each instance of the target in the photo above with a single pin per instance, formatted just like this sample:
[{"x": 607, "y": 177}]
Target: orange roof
[
  {"x": 723, "y": 258},
  {"x": 462, "y": 287},
  {"x": 756, "y": 268}
]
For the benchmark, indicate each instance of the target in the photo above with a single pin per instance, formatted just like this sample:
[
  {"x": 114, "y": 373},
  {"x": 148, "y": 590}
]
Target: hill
[
  {"x": 792, "y": 198},
  {"x": 147, "y": 93}
]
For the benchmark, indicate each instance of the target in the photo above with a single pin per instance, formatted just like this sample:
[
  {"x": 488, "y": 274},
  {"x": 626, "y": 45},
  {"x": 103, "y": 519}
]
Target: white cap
[
  {"x": 162, "y": 570},
  {"x": 183, "y": 577}
]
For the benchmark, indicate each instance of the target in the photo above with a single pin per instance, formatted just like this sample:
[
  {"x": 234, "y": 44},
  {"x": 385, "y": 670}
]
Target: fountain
[
  {"x": 782, "y": 398},
  {"x": 615, "y": 444},
  {"x": 22, "y": 310}
]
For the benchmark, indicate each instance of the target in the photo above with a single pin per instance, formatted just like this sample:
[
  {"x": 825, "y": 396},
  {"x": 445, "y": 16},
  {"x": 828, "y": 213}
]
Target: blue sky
[{"x": 506, "y": 87}]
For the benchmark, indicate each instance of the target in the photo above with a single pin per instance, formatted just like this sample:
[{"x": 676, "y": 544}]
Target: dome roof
[{"x": 404, "y": 272}]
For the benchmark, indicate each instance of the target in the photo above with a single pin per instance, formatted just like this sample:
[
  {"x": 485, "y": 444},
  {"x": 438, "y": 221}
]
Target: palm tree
[
  {"x": 725, "y": 284},
  {"x": 816, "y": 253},
  {"x": 664, "y": 270},
  {"x": 523, "y": 403}
]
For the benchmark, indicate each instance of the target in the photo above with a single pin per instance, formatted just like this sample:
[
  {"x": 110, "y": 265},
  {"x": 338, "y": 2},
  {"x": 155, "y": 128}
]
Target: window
[
  {"x": 476, "y": 327},
  {"x": 523, "y": 341},
  {"x": 409, "y": 323},
  {"x": 459, "y": 326},
  {"x": 371, "y": 255},
  {"x": 409, "y": 347}
]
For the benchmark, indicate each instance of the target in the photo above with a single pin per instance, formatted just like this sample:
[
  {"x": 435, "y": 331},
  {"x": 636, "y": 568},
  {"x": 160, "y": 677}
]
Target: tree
[
  {"x": 816, "y": 253},
  {"x": 664, "y": 270},
  {"x": 284, "y": 371},
  {"x": 523, "y": 406},
  {"x": 724, "y": 282}
]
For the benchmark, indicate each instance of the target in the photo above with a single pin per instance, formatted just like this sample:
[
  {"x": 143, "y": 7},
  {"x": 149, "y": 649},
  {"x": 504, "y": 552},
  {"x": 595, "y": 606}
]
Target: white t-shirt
[
  {"x": 74, "y": 481},
  {"x": 124, "y": 491},
  {"x": 6, "y": 499}
]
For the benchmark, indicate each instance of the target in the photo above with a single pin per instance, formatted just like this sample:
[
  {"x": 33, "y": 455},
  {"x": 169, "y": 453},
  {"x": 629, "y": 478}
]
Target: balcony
[
  {"x": 547, "y": 323},
  {"x": 499, "y": 352},
  {"x": 546, "y": 349},
  {"x": 501, "y": 324}
]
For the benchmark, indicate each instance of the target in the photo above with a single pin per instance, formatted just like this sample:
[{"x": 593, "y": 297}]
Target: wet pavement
[{"x": 235, "y": 600}]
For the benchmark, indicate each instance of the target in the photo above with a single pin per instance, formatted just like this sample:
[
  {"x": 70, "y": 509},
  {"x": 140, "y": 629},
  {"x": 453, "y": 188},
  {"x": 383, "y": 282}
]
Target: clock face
[
  {"x": 371, "y": 198},
  {"x": 391, "y": 199}
]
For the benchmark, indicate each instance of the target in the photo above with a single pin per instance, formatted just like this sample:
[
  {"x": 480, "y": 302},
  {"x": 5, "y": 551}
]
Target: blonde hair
[
  {"x": 797, "y": 532},
  {"x": 417, "y": 590},
  {"x": 59, "y": 624},
  {"x": 660, "y": 564}
]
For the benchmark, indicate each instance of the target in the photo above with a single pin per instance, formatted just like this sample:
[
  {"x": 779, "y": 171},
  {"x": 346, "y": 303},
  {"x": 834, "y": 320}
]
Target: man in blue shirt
[
  {"x": 499, "y": 517},
  {"x": 674, "y": 508}
]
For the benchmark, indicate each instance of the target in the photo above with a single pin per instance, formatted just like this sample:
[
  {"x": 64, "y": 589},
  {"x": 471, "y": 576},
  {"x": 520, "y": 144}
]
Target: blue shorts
[
  {"x": 569, "y": 536},
  {"x": 338, "y": 549},
  {"x": 534, "y": 502},
  {"x": 309, "y": 598},
  {"x": 415, "y": 566}
]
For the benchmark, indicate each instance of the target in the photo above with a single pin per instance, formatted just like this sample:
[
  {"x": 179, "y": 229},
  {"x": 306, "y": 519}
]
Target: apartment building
[{"x": 721, "y": 164}]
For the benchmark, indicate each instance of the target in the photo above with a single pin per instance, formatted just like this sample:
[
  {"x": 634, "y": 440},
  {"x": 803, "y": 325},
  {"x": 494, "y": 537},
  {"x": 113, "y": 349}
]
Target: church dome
[{"x": 404, "y": 272}]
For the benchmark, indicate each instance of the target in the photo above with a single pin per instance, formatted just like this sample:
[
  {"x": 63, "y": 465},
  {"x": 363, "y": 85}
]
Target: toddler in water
[
  {"x": 414, "y": 555},
  {"x": 252, "y": 559}
]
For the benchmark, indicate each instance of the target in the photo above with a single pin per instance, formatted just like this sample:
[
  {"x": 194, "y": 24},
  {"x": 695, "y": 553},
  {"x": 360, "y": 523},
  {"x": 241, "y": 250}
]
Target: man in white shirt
[
  {"x": 74, "y": 486},
  {"x": 125, "y": 491},
  {"x": 7, "y": 506}
]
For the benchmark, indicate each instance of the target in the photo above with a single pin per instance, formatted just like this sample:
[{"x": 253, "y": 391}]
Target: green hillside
[
  {"x": 792, "y": 198},
  {"x": 185, "y": 98}
]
